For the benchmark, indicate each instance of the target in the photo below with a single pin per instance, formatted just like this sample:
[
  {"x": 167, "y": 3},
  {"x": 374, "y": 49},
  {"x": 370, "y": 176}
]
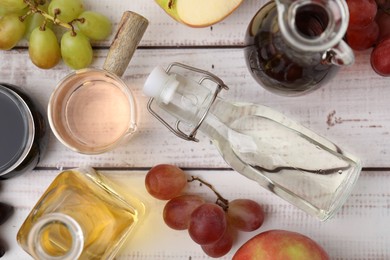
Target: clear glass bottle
[
  {"x": 281, "y": 155},
  {"x": 295, "y": 46},
  {"x": 80, "y": 216}
]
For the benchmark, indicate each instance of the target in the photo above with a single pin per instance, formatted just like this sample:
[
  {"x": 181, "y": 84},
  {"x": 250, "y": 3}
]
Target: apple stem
[
  {"x": 221, "y": 201},
  {"x": 170, "y": 4}
]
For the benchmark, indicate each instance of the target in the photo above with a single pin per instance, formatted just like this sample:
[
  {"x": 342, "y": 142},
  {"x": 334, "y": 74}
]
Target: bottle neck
[
  {"x": 312, "y": 26},
  {"x": 187, "y": 100},
  {"x": 56, "y": 236}
]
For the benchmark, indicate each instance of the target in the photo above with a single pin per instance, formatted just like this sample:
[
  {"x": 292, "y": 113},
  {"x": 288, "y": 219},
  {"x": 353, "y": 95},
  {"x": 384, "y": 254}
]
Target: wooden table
[{"x": 352, "y": 110}]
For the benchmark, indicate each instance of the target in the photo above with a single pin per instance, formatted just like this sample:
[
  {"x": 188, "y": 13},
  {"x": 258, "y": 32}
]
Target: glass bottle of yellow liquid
[{"x": 80, "y": 216}]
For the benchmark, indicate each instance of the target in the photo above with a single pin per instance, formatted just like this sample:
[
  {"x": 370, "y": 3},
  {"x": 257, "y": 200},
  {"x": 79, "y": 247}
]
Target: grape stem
[
  {"x": 221, "y": 201},
  {"x": 33, "y": 6}
]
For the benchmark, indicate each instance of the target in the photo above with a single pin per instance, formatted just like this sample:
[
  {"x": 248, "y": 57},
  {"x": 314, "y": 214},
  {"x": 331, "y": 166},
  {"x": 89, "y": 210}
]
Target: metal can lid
[{"x": 16, "y": 130}]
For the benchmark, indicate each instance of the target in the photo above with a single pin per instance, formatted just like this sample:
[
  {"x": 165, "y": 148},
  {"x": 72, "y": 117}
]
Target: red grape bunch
[
  {"x": 369, "y": 27},
  {"x": 212, "y": 225}
]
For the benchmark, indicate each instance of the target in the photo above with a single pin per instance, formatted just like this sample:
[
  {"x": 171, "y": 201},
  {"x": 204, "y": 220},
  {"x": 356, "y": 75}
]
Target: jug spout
[{"x": 313, "y": 25}]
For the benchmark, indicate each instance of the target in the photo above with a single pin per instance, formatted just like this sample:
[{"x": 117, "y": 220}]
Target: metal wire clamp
[{"x": 205, "y": 76}]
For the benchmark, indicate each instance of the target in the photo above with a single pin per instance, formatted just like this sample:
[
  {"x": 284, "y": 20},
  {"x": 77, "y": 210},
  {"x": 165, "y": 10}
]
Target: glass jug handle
[{"x": 340, "y": 55}]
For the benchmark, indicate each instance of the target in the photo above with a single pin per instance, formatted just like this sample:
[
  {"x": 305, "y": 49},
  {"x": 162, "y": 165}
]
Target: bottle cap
[{"x": 160, "y": 85}]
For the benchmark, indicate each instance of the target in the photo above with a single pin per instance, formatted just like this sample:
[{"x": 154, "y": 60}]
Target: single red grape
[
  {"x": 178, "y": 210},
  {"x": 6, "y": 212},
  {"x": 380, "y": 57},
  {"x": 383, "y": 20},
  {"x": 165, "y": 181},
  {"x": 361, "y": 12},
  {"x": 2, "y": 248},
  {"x": 207, "y": 224},
  {"x": 245, "y": 215},
  {"x": 384, "y": 4},
  {"x": 363, "y": 38},
  {"x": 221, "y": 247}
]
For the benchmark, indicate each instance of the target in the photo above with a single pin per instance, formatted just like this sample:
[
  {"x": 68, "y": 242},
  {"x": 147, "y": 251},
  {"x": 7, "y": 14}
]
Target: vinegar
[
  {"x": 281, "y": 155},
  {"x": 276, "y": 65},
  {"x": 285, "y": 157},
  {"x": 92, "y": 111},
  {"x": 105, "y": 218},
  {"x": 97, "y": 114}
]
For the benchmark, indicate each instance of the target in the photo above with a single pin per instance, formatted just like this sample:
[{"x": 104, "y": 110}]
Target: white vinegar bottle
[{"x": 283, "y": 156}]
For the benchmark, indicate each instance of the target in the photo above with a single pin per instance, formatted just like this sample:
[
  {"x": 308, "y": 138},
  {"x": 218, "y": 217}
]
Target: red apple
[{"x": 280, "y": 244}]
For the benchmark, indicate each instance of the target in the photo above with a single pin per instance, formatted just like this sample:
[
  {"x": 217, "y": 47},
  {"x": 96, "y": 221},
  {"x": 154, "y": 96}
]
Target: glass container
[
  {"x": 281, "y": 155},
  {"x": 80, "y": 216},
  {"x": 93, "y": 111},
  {"x": 295, "y": 46}
]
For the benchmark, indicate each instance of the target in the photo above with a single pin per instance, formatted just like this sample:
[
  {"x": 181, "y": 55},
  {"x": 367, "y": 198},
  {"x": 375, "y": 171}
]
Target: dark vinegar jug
[{"x": 295, "y": 46}]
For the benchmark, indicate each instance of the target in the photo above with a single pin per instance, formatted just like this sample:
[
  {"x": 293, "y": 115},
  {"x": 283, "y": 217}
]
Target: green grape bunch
[{"x": 39, "y": 22}]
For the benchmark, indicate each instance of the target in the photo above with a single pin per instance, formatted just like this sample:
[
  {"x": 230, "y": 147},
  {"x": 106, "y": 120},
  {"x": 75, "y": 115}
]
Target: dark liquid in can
[
  {"x": 13, "y": 130},
  {"x": 23, "y": 135}
]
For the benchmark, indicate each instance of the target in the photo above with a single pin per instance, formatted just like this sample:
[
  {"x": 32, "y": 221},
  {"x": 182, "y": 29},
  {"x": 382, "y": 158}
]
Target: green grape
[
  {"x": 69, "y": 9},
  {"x": 76, "y": 50},
  {"x": 4, "y": 11},
  {"x": 11, "y": 31},
  {"x": 32, "y": 22},
  {"x": 12, "y": 5},
  {"x": 96, "y": 26},
  {"x": 35, "y": 20},
  {"x": 43, "y": 48}
]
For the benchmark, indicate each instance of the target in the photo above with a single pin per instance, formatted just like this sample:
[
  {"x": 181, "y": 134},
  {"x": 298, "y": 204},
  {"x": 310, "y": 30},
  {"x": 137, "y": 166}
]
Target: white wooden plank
[
  {"x": 165, "y": 31},
  {"x": 351, "y": 110},
  {"x": 358, "y": 231}
]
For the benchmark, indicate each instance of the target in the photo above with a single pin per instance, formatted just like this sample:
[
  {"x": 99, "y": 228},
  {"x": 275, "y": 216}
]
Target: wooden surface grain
[{"x": 352, "y": 110}]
